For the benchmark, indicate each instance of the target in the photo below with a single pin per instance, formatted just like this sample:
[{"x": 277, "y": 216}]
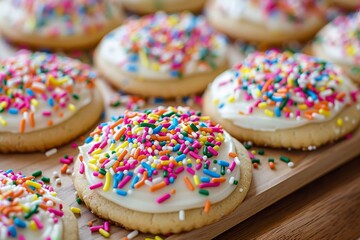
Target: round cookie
[
  {"x": 284, "y": 100},
  {"x": 162, "y": 55},
  {"x": 339, "y": 42},
  {"x": 29, "y": 209},
  {"x": 151, "y": 6},
  {"x": 163, "y": 171},
  {"x": 58, "y": 24},
  {"x": 269, "y": 22},
  {"x": 45, "y": 101}
]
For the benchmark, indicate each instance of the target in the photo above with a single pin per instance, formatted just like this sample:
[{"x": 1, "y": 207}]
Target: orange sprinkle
[
  {"x": 255, "y": 165},
  {"x": 188, "y": 183},
  {"x": 118, "y": 122},
  {"x": 163, "y": 138},
  {"x": 173, "y": 191},
  {"x": 164, "y": 152},
  {"x": 22, "y": 125},
  {"x": 272, "y": 165},
  {"x": 137, "y": 152},
  {"x": 122, "y": 155},
  {"x": 119, "y": 134},
  {"x": 232, "y": 154},
  {"x": 141, "y": 157},
  {"x": 31, "y": 119},
  {"x": 266, "y": 85},
  {"x": 221, "y": 179},
  {"x": 157, "y": 186},
  {"x": 81, "y": 158},
  {"x": 142, "y": 181},
  {"x": 116, "y": 164},
  {"x": 50, "y": 123},
  {"x": 340, "y": 96},
  {"x": 90, "y": 223},
  {"x": 207, "y": 206},
  {"x": 64, "y": 168}
]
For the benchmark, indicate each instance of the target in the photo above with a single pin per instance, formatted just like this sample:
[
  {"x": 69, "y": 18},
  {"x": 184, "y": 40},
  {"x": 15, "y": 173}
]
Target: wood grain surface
[{"x": 268, "y": 186}]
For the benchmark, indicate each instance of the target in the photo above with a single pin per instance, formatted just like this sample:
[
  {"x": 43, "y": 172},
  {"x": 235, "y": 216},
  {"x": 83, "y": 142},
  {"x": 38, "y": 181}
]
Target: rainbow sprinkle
[
  {"x": 287, "y": 85},
  {"x": 156, "y": 148},
  {"x": 28, "y": 207},
  {"x": 38, "y": 90},
  {"x": 177, "y": 44},
  {"x": 59, "y": 18}
]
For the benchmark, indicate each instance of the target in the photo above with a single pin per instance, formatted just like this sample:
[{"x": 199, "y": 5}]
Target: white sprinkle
[
  {"x": 290, "y": 164},
  {"x": 231, "y": 180},
  {"x": 58, "y": 181},
  {"x": 68, "y": 171},
  {"x": 132, "y": 234},
  {"x": 241, "y": 190},
  {"x": 181, "y": 215},
  {"x": 55, "y": 174},
  {"x": 51, "y": 152},
  {"x": 237, "y": 160}
]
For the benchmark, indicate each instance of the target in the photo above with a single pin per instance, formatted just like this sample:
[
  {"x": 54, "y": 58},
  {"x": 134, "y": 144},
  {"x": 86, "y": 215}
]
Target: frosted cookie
[
  {"x": 162, "y": 55},
  {"x": 45, "y": 101},
  {"x": 269, "y": 22},
  {"x": 339, "y": 42},
  {"x": 30, "y": 210},
  {"x": 284, "y": 100},
  {"x": 58, "y": 24},
  {"x": 166, "y": 170},
  {"x": 151, "y": 6}
]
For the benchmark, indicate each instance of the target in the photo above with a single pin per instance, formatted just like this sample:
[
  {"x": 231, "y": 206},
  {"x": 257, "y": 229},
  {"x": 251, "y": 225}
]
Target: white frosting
[
  {"x": 141, "y": 199},
  {"x": 238, "y": 111},
  {"x": 339, "y": 42},
  {"x": 113, "y": 51},
  {"x": 50, "y": 229},
  {"x": 251, "y": 11},
  {"x": 25, "y": 20}
]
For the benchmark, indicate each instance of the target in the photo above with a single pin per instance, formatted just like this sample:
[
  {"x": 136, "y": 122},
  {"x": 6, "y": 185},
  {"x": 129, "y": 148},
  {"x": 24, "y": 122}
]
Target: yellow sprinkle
[
  {"x": 269, "y": 113},
  {"x": 32, "y": 225},
  {"x": 221, "y": 137},
  {"x": 25, "y": 209},
  {"x": 302, "y": 106},
  {"x": 155, "y": 66},
  {"x": 71, "y": 107},
  {"x": 143, "y": 59},
  {"x": 93, "y": 167},
  {"x": 258, "y": 92},
  {"x": 204, "y": 118},
  {"x": 173, "y": 141},
  {"x": 96, "y": 139},
  {"x": 196, "y": 180},
  {"x": 33, "y": 184},
  {"x": 198, "y": 160},
  {"x": 121, "y": 164},
  {"x": 3, "y": 122},
  {"x": 153, "y": 165},
  {"x": 107, "y": 182},
  {"x": 92, "y": 161},
  {"x": 135, "y": 145},
  {"x": 350, "y": 50},
  {"x": 3, "y": 105},
  {"x": 112, "y": 147},
  {"x": 104, "y": 233},
  {"x": 324, "y": 112},
  {"x": 97, "y": 151},
  {"x": 34, "y": 102},
  {"x": 165, "y": 163},
  {"x": 339, "y": 122},
  {"x": 75, "y": 210},
  {"x": 216, "y": 148},
  {"x": 154, "y": 116},
  {"x": 231, "y": 99},
  {"x": 253, "y": 152},
  {"x": 189, "y": 161},
  {"x": 216, "y": 101},
  {"x": 158, "y": 238},
  {"x": 262, "y": 105}
]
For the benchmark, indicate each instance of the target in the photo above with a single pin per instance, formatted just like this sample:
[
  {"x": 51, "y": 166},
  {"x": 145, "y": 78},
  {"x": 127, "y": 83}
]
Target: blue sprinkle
[
  {"x": 180, "y": 158},
  {"x": 157, "y": 129},
  {"x": 221, "y": 105},
  {"x": 189, "y": 139},
  {"x": 223, "y": 163},
  {"x": 9, "y": 171},
  {"x": 150, "y": 173},
  {"x": 119, "y": 176},
  {"x": 51, "y": 102},
  {"x": 277, "y": 112},
  {"x": 130, "y": 174},
  {"x": 134, "y": 181},
  {"x": 277, "y": 99},
  {"x": 121, "y": 192},
  {"x": 13, "y": 111},
  {"x": 12, "y": 231},
  {"x": 159, "y": 100},
  {"x": 146, "y": 166},
  {"x": 205, "y": 179},
  {"x": 89, "y": 140},
  {"x": 211, "y": 173},
  {"x": 115, "y": 183},
  {"x": 174, "y": 73},
  {"x": 171, "y": 179},
  {"x": 132, "y": 68},
  {"x": 92, "y": 74},
  {"x": 312, "y": 94},
  {"x": 202, "y": 124},
  {"x": 176, "y": 148},
  {"x": 133, "y": 58},
  {"x": 19, "y": 223},
  {"x": 30, "y": 92}
]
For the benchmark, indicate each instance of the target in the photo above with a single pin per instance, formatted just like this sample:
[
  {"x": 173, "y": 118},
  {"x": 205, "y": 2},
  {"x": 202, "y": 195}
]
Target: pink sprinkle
[
  {"x": 190, "y": 170},
  {"x": 196, "y": 156},
  {"x": 56, "y": 212},
  {"x": 74, "y": 145},
  {"x": 124, "y": 181},
  {"x": 96, "y": 185},
  {"x": 96, "y": 228},
  {"x": 82, "y": 168},
  {"x": 179, "y": 170},
  {"x": 37, "y": 222},
  {"x": 210, "y": 184},
  {"x": 163, "y": 198},
  {"x": 106, "y": 226},
  {"x": 232, "y": 166},
  {"x": 212, "y": 151},
  {"x": 251, "y": 155},
  {"x": 21, "y": 237},
  {"x": 65, "y": 161}
]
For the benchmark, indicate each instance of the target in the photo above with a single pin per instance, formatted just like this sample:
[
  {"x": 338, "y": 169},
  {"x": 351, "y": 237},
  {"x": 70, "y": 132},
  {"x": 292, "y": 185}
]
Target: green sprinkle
[
  {"x": 102, "y": 171},
  {"x": 285, "y": 159},
  {"x": 76, "y": 96},
  {"x": 247, "y": 146},
  {"x": 168, "y": 114},
  {"x": 193, "y": 127},
  {"x": 271, "y": 160},
  {"x": 78, "y": 200},
  {"x": 204, "y": 192},
  {"x": 236, "y": 182},
  {"x": 222, "y": 170},
  {"x": 147, "y": 125},
  {"x": 45, "y": 179},
  {"x": 255, "y": 160},
  {"x": 206, "y": 166},
  {"x": 165, "y": 174},
  {"x": 215, "y": 161},
  {"x": 37, "y": 173},
  {"x": 209, "y": 144},
  {"x": 261, "y": 152}
]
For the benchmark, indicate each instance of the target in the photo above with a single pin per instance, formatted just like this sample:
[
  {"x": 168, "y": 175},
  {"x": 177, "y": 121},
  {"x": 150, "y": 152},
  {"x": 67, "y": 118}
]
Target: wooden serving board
[{"x": 268, "y": 186}]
